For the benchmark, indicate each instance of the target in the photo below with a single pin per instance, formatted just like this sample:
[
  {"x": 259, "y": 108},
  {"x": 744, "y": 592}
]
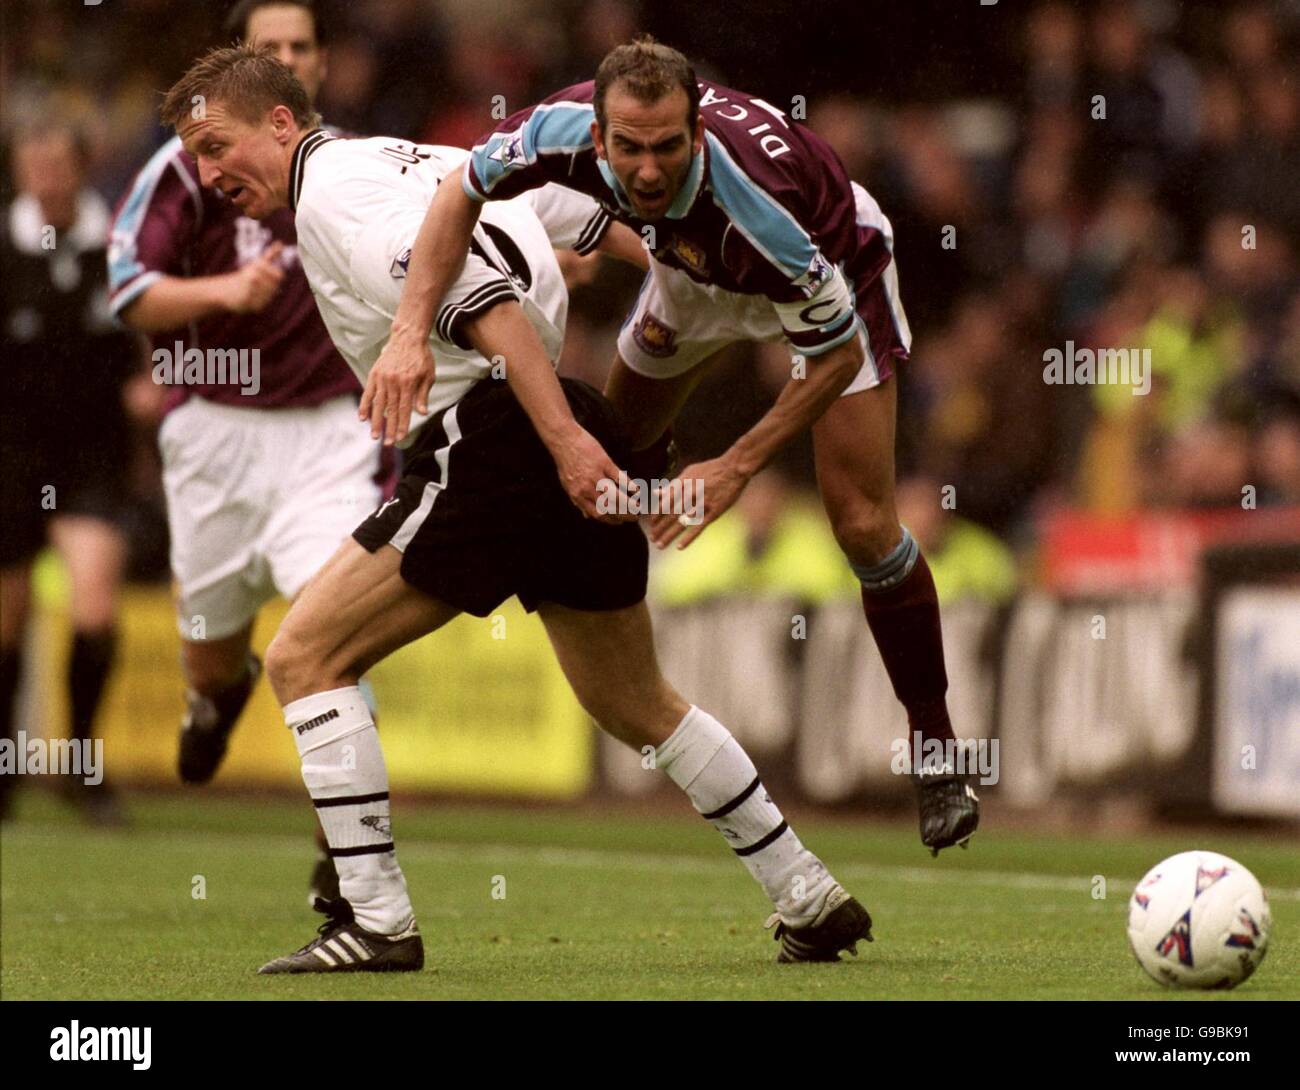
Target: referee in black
[{"x": 64, "y": 430}]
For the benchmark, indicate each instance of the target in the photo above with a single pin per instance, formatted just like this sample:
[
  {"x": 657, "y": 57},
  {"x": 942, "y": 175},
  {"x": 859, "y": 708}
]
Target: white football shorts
[{"x": 257, "y": 501}]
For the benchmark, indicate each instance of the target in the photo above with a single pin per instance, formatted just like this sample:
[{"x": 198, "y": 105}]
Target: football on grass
[{"x": 1199, "y": 920}]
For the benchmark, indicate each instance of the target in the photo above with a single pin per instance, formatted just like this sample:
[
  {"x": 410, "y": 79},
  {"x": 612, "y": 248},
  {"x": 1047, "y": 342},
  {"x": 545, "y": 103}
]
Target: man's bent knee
[
  {"x": 298, "y": 666},
  {"x": 867, "y": 534}
]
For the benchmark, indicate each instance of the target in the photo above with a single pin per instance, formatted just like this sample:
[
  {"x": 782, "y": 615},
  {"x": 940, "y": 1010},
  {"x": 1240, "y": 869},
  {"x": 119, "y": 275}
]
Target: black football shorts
[
  {"x": 39, "y": 482},
  {"x": 480, "y": 515}
]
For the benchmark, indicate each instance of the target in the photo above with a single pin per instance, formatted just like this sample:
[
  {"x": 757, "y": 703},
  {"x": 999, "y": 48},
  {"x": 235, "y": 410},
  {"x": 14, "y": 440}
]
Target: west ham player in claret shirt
[
  {"x": 756, "y": 233},
  {"x": 266, "y": 469}
]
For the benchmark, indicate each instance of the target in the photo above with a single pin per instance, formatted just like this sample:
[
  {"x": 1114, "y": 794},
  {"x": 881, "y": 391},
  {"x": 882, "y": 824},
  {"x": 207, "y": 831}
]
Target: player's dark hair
[
  {"x": 649, "y": 70},
  {"x": 248, "y": 81},
  {"x": 237, "y": 20}
]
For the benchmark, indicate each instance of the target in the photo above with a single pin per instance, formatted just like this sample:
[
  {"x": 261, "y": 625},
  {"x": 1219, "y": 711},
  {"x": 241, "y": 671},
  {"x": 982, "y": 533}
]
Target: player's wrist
[
  {"x": 745, "y": 458},
  {"x": 227, "y": 291},
  {"x": 408, "y": 333},
  {"x": 564, "y": 438}
]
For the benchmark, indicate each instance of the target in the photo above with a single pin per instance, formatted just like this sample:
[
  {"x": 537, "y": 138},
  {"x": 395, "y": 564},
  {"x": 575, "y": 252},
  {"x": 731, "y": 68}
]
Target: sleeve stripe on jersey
[
  {"x": 126, "y": 227},
  {"x": 469, "y": 182},
  {"x": 132, "y": 291},
  {"x": 593, "y": 232},
  {"x": 554, "y": 128},
  {"x": 849, "y": 329},
  {"x": 765, "y": 222},
  {"x": 822, "y": 338},
  {"x": 452, "y": 318}
]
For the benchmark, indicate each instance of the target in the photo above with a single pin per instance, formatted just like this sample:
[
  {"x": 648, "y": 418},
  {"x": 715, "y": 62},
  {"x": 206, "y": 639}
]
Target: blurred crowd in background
[{"x": 1112, "y": 174}]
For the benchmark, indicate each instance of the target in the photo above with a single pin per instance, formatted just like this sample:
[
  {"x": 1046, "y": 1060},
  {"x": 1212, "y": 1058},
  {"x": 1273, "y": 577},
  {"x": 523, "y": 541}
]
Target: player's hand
[
  {"x": 399, "y": 381},
  {"x": 578, "y": 270},
  {"x": 595, "y": 485},
  {"x": 144, "y": 399},
  {"x": 254, "y": 285},
  {"x": 698, "y": 495}
]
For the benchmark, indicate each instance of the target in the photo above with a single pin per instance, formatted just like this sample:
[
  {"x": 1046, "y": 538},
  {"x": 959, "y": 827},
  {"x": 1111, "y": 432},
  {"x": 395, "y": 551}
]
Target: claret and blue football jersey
[{"x": 767, "y": 208}]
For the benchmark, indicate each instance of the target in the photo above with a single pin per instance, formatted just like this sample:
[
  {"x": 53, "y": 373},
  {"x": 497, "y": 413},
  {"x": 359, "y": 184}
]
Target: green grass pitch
[{"x": 597, "y": 905}]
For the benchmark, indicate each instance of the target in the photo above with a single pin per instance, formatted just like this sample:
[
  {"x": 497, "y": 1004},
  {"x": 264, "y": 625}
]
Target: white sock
[
  {"x": 704, "y": 760},
  {"x": 343, "y": 768}
]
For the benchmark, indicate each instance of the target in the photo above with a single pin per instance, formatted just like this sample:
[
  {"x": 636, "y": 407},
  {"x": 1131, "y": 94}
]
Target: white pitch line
[
  {"x": 676, "y": 864},
  {"x": 595, "y": 857}
]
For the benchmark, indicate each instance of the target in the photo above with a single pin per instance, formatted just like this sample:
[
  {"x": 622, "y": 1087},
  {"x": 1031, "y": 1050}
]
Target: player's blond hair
[{"x": 248, "y": 81}]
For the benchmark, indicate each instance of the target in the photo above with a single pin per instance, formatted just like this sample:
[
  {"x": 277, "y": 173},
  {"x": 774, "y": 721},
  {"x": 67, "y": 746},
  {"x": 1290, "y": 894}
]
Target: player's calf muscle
[
  {"x": 637, "y": 710},
  {"x": 214, "y": 665},
  {"x": 637, "y": 718},
  {"x": 609, "y": 661}
]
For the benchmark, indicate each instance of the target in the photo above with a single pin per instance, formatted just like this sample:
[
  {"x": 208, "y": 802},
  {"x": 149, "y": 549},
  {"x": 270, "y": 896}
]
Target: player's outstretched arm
[
  {"x": 719, "y": 482},
  {"x": 622, "y": 242},
  {"x": 174, "y": 301},
  {"x": 505, "y": 333},
  {"x": 403, "y": 374},
  {"x": 810, "y": 391}
]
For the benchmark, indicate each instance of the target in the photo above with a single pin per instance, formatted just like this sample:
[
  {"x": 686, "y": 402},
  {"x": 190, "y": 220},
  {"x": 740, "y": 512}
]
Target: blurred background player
[
  {"x": 65, "y": 434},
  {"x": 261, "y": 487}
]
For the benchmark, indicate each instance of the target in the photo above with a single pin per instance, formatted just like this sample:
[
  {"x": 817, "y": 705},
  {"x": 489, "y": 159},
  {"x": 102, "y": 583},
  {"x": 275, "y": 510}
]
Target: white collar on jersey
[
  {"x": 684, "y": 200},
  {"x": 89, "y": 231},
  {"x": 301, "y": 153}
]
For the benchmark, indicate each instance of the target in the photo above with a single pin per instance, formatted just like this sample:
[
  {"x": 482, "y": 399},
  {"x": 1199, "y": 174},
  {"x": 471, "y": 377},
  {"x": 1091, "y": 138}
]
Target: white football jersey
[{"x": 359, "y": 205}]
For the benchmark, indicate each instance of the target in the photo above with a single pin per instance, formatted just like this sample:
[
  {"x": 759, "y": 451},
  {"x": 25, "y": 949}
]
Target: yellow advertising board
[{"x": 479, "y": 707}]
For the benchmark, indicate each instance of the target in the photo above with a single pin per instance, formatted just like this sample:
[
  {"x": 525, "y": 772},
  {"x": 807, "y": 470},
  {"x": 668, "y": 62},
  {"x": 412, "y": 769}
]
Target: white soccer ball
[{"x": 1199, "y": 920}]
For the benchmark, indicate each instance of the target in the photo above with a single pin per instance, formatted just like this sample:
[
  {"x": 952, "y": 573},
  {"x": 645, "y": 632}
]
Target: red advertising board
[{"x": 1149, "y": 550}]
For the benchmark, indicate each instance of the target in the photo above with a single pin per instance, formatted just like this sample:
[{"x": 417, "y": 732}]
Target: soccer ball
[{"x": 1199, "y": 920}]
